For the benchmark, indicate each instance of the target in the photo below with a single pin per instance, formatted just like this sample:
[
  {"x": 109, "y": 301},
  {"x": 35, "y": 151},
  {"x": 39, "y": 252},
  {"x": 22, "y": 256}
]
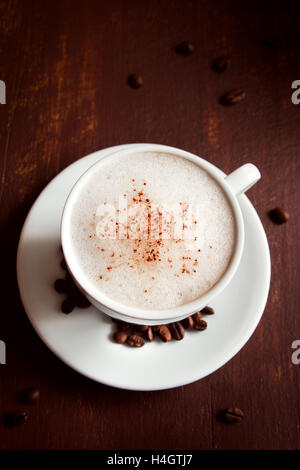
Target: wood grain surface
[{"x": 65, "y": 65}]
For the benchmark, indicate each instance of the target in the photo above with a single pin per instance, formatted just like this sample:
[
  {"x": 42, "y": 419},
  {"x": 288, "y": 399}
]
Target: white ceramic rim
[{"x": 149, "y": 314}]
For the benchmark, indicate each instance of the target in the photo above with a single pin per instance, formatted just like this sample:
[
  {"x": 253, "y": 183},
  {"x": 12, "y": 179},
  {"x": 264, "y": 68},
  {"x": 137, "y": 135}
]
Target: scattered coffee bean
[
  {"x": 149, "y": 334},
  {"x": 177, "y": 331},
  {"x": 68, "y": 305},
  {"x": 16, "y": 418},
  {"x": 120, "y": 337},
  {"x": 63, "y": 264},
  {"x": 221, "y": 64},
  {"x": 135, "y": 80},
  {"x": 207, "y": 311},
  {"x": 233, "y": 415},
  {"x": 233, "y": 97},
  {"x": 30, "y": 396},
  {"x": 135, "y": 341},
  {"x": 279, "y": 216},
  {"x": 188, "y": 323},
  {"x": 185, "y": 48},
  {"x": 60, "y": 285},
  {"x": 164, "y": 333}
]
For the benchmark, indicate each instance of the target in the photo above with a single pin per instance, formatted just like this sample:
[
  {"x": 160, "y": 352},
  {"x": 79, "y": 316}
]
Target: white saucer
[{"x": 83, "y": 339}]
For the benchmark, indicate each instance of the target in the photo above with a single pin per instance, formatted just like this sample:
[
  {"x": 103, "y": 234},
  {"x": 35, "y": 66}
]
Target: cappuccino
[{"x": 152, "y": 230}]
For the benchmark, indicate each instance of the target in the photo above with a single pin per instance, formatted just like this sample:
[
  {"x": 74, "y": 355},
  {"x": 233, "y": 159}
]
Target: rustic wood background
[{"x": 65, "y": 65}]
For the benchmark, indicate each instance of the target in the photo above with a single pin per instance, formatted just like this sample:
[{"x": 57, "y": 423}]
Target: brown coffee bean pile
[
  {"x": 28, "y": 396},
  {"x": 74, "y": 297},
  {"x": 137, "y": 335}
]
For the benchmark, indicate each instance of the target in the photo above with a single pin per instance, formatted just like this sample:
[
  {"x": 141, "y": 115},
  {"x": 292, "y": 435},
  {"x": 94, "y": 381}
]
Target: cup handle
[{"x": 243, "y": 178}]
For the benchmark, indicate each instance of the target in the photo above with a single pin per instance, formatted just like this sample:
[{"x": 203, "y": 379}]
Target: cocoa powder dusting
[{"x": 150, "y": 247}]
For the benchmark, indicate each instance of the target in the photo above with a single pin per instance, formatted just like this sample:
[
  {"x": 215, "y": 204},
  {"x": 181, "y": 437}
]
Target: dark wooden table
[{"x": 65, "y": 65}]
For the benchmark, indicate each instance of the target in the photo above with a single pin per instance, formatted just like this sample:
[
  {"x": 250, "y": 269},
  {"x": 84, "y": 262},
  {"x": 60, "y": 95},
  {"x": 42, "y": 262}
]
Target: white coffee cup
[{"x": 233, "y": 185}]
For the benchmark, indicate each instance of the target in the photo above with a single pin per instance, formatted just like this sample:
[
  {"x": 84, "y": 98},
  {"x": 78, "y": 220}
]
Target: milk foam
[{"x": 148, "y": 271}]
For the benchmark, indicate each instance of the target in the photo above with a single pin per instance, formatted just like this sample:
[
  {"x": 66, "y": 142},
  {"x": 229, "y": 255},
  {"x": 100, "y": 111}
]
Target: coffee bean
[
  {"x": 74, "y": 293},
  {"x": 188, "y": 323},
  {"x": 81, "y": 301},
  {"x": 279, "y": 216},
  {"x": 135, "y": 332},
  {"x": 142, "y": 328},
  {"x": 30, "y": 396},
  {"x": 164, "y": 333},
  {"x": 72, "y": 289},
  {"x": 149, "y": 334},
  {"x": 233, "y": 415},
  {"x": 177, "y": 331},
  {"x": 197, "y": 316},
  {"x": 185, "y": 48},
  {"x": 156, "y": 328},
  {"x": 135, "y": 341},
  {"x": 63, "y": 264},
  {"x": 120, "y": 337},
  {"x": 207, "y": 311},
  {"x": 69, "y": 279},
  {"x": 75, "y": 296},
  {"x": 68, "y": 305},
  {"x": 60, "y": 285},
  {"x": 122, "y": 325},
  {"x": 135, "y": 80},
  {"x": 221, "y": 64},
  {"x": 233, "y": 97},
  {"x": 199, "y": 324},
  {"x": 16, "y": 418}
]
